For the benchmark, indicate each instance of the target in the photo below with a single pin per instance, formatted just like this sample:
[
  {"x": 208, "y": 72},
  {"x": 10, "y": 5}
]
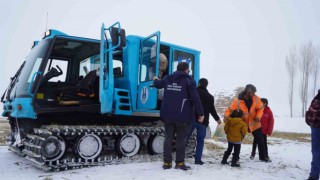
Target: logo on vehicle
[{"x": 144, "y": 95}]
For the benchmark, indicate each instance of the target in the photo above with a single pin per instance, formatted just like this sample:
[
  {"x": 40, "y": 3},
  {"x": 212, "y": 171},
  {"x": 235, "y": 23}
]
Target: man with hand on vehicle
[{"x": 180, "y": 99}]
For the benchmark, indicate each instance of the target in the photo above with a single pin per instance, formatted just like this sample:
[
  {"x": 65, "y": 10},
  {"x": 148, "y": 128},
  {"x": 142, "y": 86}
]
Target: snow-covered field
[
  {"x": 290, "y": 160},
  {"x": 287, "y": 124}
]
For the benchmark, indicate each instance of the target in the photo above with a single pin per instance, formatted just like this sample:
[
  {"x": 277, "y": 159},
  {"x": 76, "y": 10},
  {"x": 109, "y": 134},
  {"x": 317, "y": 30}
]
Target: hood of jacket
[{"x": 178, "y": 76}]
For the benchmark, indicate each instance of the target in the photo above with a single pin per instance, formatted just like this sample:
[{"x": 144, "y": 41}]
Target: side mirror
[{"x": 114, "y": 37}]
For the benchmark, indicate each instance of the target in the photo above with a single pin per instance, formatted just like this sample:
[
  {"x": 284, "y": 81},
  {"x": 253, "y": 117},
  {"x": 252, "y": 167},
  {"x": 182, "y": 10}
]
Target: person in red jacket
[{"x": 267, "y": 122}]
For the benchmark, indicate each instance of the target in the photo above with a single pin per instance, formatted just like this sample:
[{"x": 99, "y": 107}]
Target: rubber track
[{"x": 34, "y": 142}]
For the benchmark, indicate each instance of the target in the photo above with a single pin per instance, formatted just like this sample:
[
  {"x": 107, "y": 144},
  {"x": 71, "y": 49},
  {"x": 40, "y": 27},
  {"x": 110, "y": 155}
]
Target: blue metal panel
[
  {"x": 170, "y": 61},
  {"x": 52, "y": 33},
  {"x": 196, "y": 75},
  {"x": 26, "y": 111},
  {"x": 147, "y": 95},
  {"x": 106, "y": 77},
  {"x": 106, "y": 70},
  {"x": 131, "y": 62},
  {"x": 122, "y": 102}
]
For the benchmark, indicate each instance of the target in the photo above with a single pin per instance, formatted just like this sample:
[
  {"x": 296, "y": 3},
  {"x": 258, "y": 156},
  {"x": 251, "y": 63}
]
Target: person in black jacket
[
  {"x": 179, "y": 101},
  {"x": 207, "y": 101}
]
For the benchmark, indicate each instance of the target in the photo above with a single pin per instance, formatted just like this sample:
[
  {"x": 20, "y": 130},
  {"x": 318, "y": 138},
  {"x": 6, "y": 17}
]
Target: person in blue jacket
[{"x": 179, "y": 102}]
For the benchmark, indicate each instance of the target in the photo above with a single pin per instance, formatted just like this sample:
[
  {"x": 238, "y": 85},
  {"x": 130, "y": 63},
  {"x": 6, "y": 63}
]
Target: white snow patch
[{"x": 290, "y": 160}]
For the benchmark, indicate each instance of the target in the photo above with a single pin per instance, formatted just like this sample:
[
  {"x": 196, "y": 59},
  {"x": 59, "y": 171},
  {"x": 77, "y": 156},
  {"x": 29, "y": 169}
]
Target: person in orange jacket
[{"x": 252, "y": 109}]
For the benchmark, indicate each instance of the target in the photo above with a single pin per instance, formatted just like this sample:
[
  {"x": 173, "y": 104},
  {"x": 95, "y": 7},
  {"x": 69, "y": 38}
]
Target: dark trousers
[
  {"x": 255, "y": 143},
  {"x": 201, "y": 134},
  {"x": 258, "y": 137},
  {"x": 181, "y": 132},
  {"x": 236, "y": 152},
  {"x": 315, "y": 149}
]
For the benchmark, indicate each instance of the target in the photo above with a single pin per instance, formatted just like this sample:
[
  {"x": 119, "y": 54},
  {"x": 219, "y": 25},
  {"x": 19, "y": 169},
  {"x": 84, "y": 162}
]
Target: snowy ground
[{"x": 290, "y": 160}]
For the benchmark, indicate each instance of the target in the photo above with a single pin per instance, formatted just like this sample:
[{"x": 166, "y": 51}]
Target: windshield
[{"x": 33, "y": 62}]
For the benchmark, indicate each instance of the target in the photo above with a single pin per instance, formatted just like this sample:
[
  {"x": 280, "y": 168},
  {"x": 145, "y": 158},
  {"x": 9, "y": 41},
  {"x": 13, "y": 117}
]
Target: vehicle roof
[{"x": 128, "y": 37}]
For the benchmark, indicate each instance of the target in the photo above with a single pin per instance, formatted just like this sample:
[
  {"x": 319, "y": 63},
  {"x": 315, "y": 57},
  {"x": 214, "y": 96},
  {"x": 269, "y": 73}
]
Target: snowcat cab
[{"x": 73, "y": 92}]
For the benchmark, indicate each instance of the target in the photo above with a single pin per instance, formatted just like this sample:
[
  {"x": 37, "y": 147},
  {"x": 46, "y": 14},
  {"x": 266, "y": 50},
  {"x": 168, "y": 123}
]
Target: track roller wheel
[
  {"x": 89, "y": 146},
  {"x": 53, "y": 148},
  {"x": 191, "y": 147},
  {"x": 127, "y": 145},
  {"x": 155, "y": 144}
]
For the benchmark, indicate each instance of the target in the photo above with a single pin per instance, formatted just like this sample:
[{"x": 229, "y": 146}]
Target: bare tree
[
  {"x": 307, "y": 54},
  {"x": 315, "y": 69},
  {"x": 291, "y": 65}
]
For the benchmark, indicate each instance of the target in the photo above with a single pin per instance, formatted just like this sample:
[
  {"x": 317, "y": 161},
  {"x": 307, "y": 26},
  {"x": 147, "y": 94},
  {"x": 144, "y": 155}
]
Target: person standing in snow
[
  {"x": 267, "y": 122},
  {"x": 313, "y": 120},
  {"x": 236, "y": 129},
  {"x": 252, "y": 109},
  {"x": 207, "y": 101},
  {"x": 180, "y": 99}
]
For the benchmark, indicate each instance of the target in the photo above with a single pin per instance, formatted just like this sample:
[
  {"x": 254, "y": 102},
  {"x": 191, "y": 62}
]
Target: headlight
[{"x": 47, "y": 33}]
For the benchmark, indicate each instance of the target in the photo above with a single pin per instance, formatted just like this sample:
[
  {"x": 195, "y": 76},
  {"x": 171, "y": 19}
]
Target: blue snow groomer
[{"x": 77, "y": 102}]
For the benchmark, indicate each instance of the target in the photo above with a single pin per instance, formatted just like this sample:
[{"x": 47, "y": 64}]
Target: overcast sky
[{"x": 241, "y": 42}]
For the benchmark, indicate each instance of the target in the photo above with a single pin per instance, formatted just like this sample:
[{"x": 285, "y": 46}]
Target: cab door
[{"x": 148, "y": 68}]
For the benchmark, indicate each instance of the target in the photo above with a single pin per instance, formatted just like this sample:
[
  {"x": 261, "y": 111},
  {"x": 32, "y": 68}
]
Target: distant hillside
[{"x": 224, "y": 98}]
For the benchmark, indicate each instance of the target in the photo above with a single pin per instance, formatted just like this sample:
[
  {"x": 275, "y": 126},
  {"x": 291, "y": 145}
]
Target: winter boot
[
  {"x": 311, "y": 178},
  {"x": 252, "y": 156},
  {"x": 268, "y": 159},
  {"x": 234, "y": 162},
  {"x": 199, "y": 162},
  {"x": 167, "y": 165},
  {"x": 225, "y": 158},
  {"x": 265, "y": 160},
  {"x": 238, "y": 158},
  {"x": 182, "y": 166}
]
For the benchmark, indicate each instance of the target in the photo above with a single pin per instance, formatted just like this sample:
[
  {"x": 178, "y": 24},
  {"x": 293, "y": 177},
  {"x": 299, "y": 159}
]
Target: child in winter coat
[
  {"x": 267, "y": 122},
  {"x": 236, "y": 129}
]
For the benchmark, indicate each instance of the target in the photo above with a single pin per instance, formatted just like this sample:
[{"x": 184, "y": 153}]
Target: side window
[
  {"x": 84, "y": 67},
  {"x": 63, "y": 64},
  {"x": 35, "y": 68},
  {"x": 93, "y": 63},
  {"x": 143, "y": 70},
  {"x": 180, "y": 56},
  {"x": 148, "y": 59},
  {"x": 89, "y": 64},
  {"x": 118, "y": 64},
  {"x": 117, "y": 68}
]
